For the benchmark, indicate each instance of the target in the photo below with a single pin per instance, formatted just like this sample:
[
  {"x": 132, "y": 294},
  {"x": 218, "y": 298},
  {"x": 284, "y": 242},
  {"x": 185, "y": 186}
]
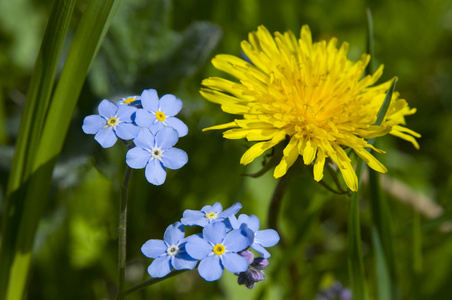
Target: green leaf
[
  {"x": 382, "y": 228},
  {"x": 355, "y": 259},
  {"x": 34, "y": 188},
  {"x": 383, "y": 277},
  {"x": 38, "y": 99},
  {"x": 384, "y": 260},
  {"x": 384, "y": 107},
  {"x": 370, "y": 69}
]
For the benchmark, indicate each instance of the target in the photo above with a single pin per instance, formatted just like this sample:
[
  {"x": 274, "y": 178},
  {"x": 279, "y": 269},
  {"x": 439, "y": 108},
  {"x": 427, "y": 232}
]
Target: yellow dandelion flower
[{"x": 309, "y": 92}]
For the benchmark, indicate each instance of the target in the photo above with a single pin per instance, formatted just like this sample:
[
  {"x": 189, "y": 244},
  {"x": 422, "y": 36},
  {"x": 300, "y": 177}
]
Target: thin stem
[
  {"x": 151, "y": 281},
  {"x": 325, "y": 185},
  {"x": 333, "y": 174},
  {"x": 355, "y": 257},
  {"x": 275, "y": 204},
  {"x": 122, "y": 234}
]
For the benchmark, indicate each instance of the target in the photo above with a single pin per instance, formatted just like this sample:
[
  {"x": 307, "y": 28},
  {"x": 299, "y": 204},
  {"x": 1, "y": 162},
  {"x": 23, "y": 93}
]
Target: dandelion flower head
[{"x": 309, "y": 94}]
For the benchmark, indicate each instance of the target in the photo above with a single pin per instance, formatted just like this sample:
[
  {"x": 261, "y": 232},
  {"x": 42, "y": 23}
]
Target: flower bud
[
  {"x": 260, "y": 263},
  {"x": 248, "y": 255}
]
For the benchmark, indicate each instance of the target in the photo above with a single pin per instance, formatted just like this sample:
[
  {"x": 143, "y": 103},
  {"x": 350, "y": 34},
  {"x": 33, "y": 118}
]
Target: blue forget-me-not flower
[
  {"x": 111, "y": 122},
  {"x": 218, "y": 247},
  {"x": 209, "y": 214},
  {"x": 170, "y": 253},
  {"x": 158, "y": 113},
  {"x": 155, "y": 153},
  {"x": 262, "y": 238},
  {"x": 217, "y": 250}
]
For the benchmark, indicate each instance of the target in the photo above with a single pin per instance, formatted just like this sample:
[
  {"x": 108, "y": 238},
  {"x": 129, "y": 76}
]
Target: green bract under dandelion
[{"x": 309, "y": 92}]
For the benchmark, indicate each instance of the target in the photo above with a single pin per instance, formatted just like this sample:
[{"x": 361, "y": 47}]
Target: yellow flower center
[
  {"x": 160, "y": 116},
  {"x": 129, "y": 100},
  {"x": 211, "y": 215},
  {"x": 112, "y": 121},
  {"x": 219, "y": 249}
]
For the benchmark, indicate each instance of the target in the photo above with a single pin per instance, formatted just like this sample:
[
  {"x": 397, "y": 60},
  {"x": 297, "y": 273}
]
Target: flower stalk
[
  {"x": 122, "y": 234},
  {"x": 151, "y": 281}
]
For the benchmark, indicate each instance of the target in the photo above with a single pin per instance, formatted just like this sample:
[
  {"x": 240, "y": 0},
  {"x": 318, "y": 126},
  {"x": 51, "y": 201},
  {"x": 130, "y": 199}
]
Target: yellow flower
[{"x": 309, "y": 92}]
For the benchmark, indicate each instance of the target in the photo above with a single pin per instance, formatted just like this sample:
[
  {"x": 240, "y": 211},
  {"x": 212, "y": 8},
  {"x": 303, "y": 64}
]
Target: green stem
[
  {"x": 151, "y": 281},
  {"x": 275, "y": 204},
  {"x": 355, "y": 259},
  {"x": 122, "y": 234}
]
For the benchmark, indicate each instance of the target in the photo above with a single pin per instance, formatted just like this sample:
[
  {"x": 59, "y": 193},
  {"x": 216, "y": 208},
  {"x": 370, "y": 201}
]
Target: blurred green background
[{"x": 167, "y": 45}]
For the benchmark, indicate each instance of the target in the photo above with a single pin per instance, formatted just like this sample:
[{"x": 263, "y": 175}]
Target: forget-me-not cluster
[
  {"x": 150, "y": 122},
  {"x": 223, "y": 244}
]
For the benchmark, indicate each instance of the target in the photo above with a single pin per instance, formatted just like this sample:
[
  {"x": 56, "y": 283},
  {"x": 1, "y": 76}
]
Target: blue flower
[
  {"x": 130, "y": 100},
  {"x": 155, "y": 153},
  {"x": 218, "y": 250},
  {"x": 262, "y": 238},
  {"x": 158, "y": 113},
  {"x": 111, "y": 122},
  {"x": 170, "y": 253},
  {"x": 209, "y": 214}
]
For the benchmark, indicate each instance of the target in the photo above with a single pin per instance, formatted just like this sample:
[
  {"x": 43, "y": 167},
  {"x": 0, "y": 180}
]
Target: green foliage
[{"x": 404, "y": 216}]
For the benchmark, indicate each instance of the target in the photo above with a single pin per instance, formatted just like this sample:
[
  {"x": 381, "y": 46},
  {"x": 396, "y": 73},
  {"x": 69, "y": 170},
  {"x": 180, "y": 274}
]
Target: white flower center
[
  {"x": 156, "y": 153},
  {"x": 112, "y": 121},
  {"x": 172, "y": 250}
]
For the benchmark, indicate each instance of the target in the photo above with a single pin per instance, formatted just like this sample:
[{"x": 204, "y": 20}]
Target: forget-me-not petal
[
  {"x": 210, "y": 268},
  {"x": 154, "y": 172},
  {"x": 150, "y": 100},
  {"x": 170, "y": 105},
  {"x": 198, "y": 247},
  {"x": 177, "y": 124},
  {"x": 167, "y": 137},
  {"x": 267, "y": 237},
  {"x": 174, "y": 233},
  {"x": 137, "y": 158},
  {"x": 107, "y": 109},
  {"x": 174, "y": 158},
  {"x": 234, "y": 263},
  {"x": 160, "y": 267},
  {"x": 215, "y": 233},
  {"x": 92, "y": 124},
  {"x": 106, "y": 137},
  {"x": 235, "y": 240},
  {"x": 127, "y": 131},
  {"x": 154, "y": 248}
]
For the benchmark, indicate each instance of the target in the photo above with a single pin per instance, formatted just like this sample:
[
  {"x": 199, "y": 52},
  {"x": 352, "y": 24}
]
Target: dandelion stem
[
  {"x": 122, "y": 234},
  {"x": 275, "y": 204}
]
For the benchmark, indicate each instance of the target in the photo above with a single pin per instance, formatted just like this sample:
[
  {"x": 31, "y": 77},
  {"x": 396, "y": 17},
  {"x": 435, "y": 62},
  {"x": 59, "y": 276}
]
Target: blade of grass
[
  {"x": 383, "y": 277},
  {"x": 355, "y": 261},
  {"x": 382, "y": 238},
  {"x": 380, "y": 214},
  {"x": 38, "y": 99},
  {"x": 355, "y": 257},
  {"x": 370, "y": 69},
  {"x": 39, "y": 91},
  {"x": 87, "y": 40}
]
